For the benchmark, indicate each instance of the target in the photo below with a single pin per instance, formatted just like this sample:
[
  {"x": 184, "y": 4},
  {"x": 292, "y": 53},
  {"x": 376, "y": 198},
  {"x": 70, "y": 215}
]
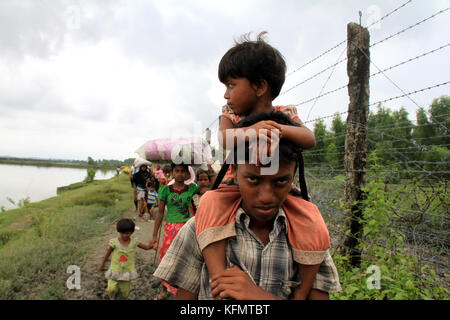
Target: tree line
[
  {"x": 393, "y": 139},
  {"x": 109, "y": 163},
  {"x": 89, "y": 163}
]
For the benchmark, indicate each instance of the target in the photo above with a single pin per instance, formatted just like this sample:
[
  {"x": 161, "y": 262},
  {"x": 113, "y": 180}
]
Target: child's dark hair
[
  {"x": 201, "y": 171},
  {"x": 125, "y": 225},
  {"x": 288, "y": 150},
  {"x": 185, "y": 166},
  {"x": 167, "y": 168},
  {"x": 256, "y": 61},
  {"x": 152, "y": 183}
]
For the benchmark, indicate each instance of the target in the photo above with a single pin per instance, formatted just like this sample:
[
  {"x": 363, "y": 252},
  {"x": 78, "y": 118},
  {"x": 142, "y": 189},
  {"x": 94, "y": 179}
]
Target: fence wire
[
  {"x": 414, "y": 169},
  {"x": 417, "y": 190}
]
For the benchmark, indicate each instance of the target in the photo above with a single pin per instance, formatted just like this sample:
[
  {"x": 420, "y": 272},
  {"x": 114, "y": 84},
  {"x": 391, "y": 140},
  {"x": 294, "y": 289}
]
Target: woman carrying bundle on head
[
  {"x": 141, "y": 178},
  {"x": 177, "y": 197}
]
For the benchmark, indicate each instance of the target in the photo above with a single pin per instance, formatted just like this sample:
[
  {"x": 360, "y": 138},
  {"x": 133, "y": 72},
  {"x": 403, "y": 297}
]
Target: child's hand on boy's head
[
  {"x": 266, "y": 126},
  {"x": 264, "y": 150},
  {"x": 271, "y": 130}
]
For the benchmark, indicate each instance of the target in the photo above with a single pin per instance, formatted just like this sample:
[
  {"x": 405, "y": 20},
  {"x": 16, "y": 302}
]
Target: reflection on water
[{"x": 38, "y": 183}]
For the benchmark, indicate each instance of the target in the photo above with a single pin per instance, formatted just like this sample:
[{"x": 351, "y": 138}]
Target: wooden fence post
[{"x": 358, "y": 70}]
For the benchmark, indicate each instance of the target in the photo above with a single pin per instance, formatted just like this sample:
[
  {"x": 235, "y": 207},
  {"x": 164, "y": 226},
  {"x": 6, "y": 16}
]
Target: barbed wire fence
[{"x": 417, "y": 187}]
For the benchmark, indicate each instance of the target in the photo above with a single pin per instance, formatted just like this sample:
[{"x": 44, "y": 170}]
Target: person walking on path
[
  {"x": 141, "y": 177},
  {"x": 178, "y": 198},
  {"x": 152, "y": 198},
  {"x": 133, "y": 185},
  {"x": 122, "y": 250}
]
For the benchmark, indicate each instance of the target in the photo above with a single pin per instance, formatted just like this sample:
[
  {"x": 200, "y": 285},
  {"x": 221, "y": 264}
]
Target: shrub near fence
[{"x": 405, "y": 233}]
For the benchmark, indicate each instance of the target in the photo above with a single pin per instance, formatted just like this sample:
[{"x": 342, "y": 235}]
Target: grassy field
[{"x": 40, "y": 240}]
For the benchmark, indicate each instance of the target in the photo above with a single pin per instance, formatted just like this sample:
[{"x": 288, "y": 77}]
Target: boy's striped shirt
[{"x": 151, "y": 197}]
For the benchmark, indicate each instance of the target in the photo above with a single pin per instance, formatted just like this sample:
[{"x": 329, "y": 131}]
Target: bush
[
  {"x": 382, "y": 246},
  {"x": 90, "y": 175}
]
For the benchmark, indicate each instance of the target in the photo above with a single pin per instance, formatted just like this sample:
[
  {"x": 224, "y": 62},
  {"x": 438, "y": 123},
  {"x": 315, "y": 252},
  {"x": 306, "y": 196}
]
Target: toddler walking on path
[{"x": 122, "y": 250}]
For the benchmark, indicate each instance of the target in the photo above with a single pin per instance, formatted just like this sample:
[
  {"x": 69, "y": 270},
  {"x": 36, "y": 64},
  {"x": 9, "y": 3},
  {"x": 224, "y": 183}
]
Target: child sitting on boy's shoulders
[{"x": 253, "y": 73}]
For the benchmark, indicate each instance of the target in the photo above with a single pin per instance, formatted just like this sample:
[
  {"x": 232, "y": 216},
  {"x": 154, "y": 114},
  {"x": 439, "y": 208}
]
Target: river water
[{"x": 38, "y": 183}]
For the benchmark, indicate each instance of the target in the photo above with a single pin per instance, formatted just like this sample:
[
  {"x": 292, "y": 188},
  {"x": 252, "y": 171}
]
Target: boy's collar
[{"x": 280, "y": 216}]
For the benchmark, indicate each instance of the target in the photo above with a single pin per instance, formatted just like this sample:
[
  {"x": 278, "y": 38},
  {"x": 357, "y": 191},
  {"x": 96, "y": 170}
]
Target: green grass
[{"x": 39, "y": 241}]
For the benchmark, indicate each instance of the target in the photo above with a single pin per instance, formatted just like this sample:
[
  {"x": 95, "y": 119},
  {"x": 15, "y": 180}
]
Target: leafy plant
[
  {"x": 19, "y": 204},
  {"x": 90, "y": 175},
  {"x": 383, "y": 248},
  {"x": 38, "y": 221}
]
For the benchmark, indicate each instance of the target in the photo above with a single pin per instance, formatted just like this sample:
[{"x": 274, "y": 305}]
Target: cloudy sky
[{"x": 98, "y": 78}]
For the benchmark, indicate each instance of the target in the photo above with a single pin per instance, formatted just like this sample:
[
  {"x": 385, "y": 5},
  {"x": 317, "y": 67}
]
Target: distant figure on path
[
  {"x": 133, "y": 185},
  {"x": 140, "y": 177},
  {"x": 152, "y": 197},
  {"x": 167, "y": 175}
]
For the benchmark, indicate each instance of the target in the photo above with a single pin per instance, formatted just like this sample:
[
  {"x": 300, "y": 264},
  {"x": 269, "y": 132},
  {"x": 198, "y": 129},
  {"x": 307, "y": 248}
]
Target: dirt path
[{"x": 93, "y": 282}]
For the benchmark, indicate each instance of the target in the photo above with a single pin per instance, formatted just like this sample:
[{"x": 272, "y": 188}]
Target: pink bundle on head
[
  {"x": 159, "y": 149},
  {"x": 192, "y": 150}
]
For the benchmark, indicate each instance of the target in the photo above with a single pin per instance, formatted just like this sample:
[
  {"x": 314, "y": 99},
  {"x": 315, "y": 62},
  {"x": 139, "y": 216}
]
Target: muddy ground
[{"x": 93, "y": 281}]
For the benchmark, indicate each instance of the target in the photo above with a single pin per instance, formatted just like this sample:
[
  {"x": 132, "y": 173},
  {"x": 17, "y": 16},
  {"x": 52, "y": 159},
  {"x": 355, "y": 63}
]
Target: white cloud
[{"x": 99, "y": 78}]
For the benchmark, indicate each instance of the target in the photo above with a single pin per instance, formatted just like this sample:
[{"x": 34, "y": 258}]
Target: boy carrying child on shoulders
[
  {"x": 253, "y": 239},
  {"x": 259, "y": 257}
]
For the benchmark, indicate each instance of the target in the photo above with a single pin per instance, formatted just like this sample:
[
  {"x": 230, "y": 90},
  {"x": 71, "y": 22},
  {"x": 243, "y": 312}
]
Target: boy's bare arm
[
  {"x": 227, "y": 128},
  {"x": 183, "y": 294},
  {"x": 108, "y": 253},
  {"x": 307, "y": 275},
  {"x": 301, "y": 136},
  {"x": 316, "y": 294},
  {"x": 158, "y": 221},
  {"x": 214, "y": 255}
]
